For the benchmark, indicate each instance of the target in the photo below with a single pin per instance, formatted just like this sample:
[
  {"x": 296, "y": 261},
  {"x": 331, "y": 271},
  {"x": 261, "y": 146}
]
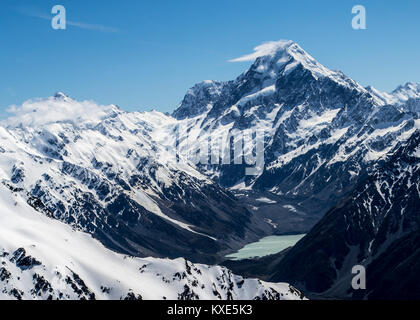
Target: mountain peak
[
  {"x": 279, "y": 58},
  {"x": 287, "y": 55},
  {"x": 407, "y": 91},
  {"x": 272, "y": 61},
  {"x": 60, "y": 96},
  {"x": 199, "y": 99},
  {"x": 410, "y": 85}
]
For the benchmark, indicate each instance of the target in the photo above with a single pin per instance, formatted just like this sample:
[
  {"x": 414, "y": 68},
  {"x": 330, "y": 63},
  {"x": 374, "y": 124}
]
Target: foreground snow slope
[{"x": 42, "y": 258}]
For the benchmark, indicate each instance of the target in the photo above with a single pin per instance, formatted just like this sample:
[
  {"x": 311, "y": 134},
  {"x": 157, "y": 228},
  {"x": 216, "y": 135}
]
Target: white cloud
[
  {"x": 39, "y": 112},
  {"x": 264, "y": 49}
]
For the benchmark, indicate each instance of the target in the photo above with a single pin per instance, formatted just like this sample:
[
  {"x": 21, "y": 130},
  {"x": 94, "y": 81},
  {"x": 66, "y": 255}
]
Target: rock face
[{"x": 377, "y": 227}]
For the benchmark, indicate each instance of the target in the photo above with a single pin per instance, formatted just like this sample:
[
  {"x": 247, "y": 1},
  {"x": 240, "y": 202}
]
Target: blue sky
[{"x": 146, "y": 54}]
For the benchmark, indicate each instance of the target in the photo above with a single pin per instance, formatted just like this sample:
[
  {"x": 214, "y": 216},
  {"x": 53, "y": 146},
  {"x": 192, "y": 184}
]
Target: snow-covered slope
[
  {"x": 100, "y": 170},
  {"x": 42, "y": 258}
]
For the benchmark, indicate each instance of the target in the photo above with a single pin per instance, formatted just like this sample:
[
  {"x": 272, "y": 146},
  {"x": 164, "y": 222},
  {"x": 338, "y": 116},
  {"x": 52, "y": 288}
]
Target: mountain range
[{"x": 340, "y": 162}]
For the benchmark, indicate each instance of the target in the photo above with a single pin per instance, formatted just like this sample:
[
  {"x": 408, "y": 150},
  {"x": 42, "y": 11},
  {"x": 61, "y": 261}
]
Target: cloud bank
[
  {"x": 264, "y": 49},
  {"x": 40, "y": 112}
]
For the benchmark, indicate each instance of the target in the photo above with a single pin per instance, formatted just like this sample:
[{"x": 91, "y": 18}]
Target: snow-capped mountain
[
  {"x": 98, "y": 169},
  {"x": 377, "y": 226},
  {"x": 323, "y": 132},
  {"x": 408, "y": 91},
  {"x": 400, "y": 95},
  {"x": 132, "y": 181},
  {"x": 145, "y": 184},
  {"x": 42, "y": 258}
]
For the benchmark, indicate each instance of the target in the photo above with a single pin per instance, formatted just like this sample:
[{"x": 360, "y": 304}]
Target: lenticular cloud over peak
[
  {"x": 264, "y": 49},
  {"x": 59, "y": 108}
]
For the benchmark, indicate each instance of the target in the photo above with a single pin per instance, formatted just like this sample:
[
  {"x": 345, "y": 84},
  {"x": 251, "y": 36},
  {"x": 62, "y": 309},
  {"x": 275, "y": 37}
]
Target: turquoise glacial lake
[{"x": 266, "y": 246}]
